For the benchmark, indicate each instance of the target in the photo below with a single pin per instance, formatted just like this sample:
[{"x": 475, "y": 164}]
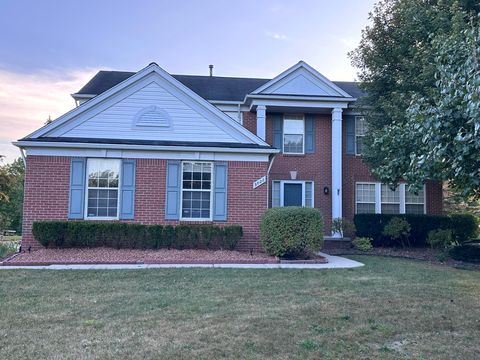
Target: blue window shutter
[
  {"x": 172, "y": 201},
  {"x": 350, "y": 134},
  {"x": 278, "y": 131},
  {"x": 309, "y": 134},
  {"x": 127, "y": 190},
  {"x": 77, "y": 189},
  {"x": 220, "y": 192}
]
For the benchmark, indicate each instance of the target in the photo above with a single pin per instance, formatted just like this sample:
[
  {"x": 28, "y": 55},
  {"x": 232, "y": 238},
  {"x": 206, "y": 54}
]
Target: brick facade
[{"x": 47, "y": 190}]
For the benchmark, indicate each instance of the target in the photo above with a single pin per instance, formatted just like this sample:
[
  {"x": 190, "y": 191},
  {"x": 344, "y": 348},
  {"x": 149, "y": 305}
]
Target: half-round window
[{"x": 152, "y": 116}]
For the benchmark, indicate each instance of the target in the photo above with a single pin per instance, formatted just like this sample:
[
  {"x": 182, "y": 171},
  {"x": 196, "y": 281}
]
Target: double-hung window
[
  {"x": 390, "y": 200},
  {"x": 102, "y": 188},
  {"x": 293, "y": 134},
  {"x": 365, "y": 198},
  {"x": 415, "y": 203},
  {"x": 197, "y": 190},
  {"x": 360, "y": 130}
]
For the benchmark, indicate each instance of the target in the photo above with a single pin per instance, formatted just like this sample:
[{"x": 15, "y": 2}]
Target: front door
[{"x": 292, "y": 195}]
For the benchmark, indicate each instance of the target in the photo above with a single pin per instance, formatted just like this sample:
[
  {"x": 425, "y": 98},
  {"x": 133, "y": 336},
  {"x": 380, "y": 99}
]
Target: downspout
[
  {"x": 23, "y": 157},
  {"x": 268, "y": 178}
]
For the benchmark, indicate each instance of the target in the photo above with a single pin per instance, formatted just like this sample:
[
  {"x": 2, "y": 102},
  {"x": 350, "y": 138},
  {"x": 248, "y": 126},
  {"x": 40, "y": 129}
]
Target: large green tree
[
  {"x": 11, "y": 203},
  {"x": 399, "y": 63}
]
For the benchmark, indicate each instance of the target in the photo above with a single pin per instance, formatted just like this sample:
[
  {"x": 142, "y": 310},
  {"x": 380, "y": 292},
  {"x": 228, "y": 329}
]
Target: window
[
  {"x": 390, "y": 200},
  {"x": 292, "y": 193},
  {"x": 102, "y": 188},
  {"x": 365, "y": 195},
  {"x": 414, "y": 203},
  {"x": 293, "y": 134},
  {"x": 360, "y": 129},
  {"x": 196, "y": 190},
  {"x": 381, "y": 199}
]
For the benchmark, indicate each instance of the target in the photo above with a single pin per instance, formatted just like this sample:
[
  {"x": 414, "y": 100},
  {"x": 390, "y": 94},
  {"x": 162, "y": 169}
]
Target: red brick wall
[
  {"x": 47, "y": 191},
  {"x": 317, "y": 167}
]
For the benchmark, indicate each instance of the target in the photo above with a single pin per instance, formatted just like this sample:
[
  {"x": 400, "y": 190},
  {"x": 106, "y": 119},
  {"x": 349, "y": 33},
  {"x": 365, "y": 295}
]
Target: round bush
[{"x": 291, "y": 231}]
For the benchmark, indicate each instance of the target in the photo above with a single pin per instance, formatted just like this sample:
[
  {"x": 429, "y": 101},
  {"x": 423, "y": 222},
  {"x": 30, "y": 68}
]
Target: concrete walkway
[{"x": 334, "y": 262}]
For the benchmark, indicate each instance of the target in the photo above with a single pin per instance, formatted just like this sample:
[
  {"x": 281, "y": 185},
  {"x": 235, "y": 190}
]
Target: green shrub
[
  {"x": 50, "y": 233},
  {"x": 232, "y": 234},
  {"x": 68, "y": 234},
  {"x": 469, "y": 252},
  {"x": 372, "y": 225},
  {"x": 362, "y": 243},
  {"x": 464, "y": 227},
  {"x": 440, "y": 239},
  {"x": 344, "y": 227},
  {"x": 398, "y": 230},
  {"x": 291, "y": 231}
]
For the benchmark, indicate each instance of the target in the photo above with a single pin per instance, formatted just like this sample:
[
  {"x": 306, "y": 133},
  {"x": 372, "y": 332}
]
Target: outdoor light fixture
[
  {"x": 325, "y": 190},
  {"x": 293, "y": 175}
]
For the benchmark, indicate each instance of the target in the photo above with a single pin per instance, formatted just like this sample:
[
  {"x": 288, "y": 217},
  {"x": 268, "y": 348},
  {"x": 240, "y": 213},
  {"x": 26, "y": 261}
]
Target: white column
[
  {"x": 261, "y": 120},
  {"x": 336, "y": 165}
]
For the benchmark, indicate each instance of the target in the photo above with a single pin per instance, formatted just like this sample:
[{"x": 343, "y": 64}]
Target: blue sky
[{"x": 48, "y": 49}]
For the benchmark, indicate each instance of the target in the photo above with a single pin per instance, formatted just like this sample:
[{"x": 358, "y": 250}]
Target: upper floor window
[
  {"x": 102, "y": 188},
  {"x": 360, "y": 129},
  {"x": 196, "y": 190},
  {"x": 293, "y": 134}
]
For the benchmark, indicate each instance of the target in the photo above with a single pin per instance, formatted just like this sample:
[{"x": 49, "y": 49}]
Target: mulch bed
[
  {"x": 424, "y": 254},
  {"x": 128, "y": 256}
]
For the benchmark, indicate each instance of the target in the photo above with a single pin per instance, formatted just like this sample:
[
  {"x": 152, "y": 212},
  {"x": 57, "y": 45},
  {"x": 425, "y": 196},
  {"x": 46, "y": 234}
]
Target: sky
[{"x": 49, "y": 49}]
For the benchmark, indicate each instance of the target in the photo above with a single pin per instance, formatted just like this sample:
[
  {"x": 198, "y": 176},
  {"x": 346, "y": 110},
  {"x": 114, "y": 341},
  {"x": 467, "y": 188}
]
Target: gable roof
[
  {"x": 152, "y": 72},
  {"x": 213, "y": 88}
]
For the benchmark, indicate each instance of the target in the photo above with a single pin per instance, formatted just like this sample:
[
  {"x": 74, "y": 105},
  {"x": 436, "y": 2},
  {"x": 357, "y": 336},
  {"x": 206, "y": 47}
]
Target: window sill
[{"x": 293, "y": 155}]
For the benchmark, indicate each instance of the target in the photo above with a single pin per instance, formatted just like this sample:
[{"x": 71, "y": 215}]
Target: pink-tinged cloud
[{"x": 27, "y": 100}]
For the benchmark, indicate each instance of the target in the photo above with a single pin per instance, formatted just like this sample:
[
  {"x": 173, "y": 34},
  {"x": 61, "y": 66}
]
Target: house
[{"x": 151, "y": 147}]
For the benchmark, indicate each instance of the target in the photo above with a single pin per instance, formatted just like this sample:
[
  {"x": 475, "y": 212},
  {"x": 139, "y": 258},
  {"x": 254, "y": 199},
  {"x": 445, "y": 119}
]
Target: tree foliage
[
  {"x": 11, "y": 203},
  {"x": 412, "y": 61}
]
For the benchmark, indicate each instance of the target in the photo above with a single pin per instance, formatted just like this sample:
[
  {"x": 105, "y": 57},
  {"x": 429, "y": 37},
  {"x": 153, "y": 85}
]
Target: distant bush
[
  {"x": 440, "y": 239},
  {"x": 398, "y": 230},
  {"x": 362, "y": 243},
  {"x": 464, "y": 227},
  {"x": 79, "y": 234},
  {"x": 291, "y": 231}
]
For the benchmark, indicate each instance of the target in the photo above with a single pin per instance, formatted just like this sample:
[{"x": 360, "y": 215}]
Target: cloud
[
  {"x": 276, "y": 36},
  {"x": 27, "y": 100}
]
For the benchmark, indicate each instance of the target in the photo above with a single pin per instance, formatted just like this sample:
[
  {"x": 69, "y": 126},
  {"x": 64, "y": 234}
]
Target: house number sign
[{"x": 259, "y": 182}]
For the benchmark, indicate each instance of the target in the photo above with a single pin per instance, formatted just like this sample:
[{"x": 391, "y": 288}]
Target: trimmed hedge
[
  {"x": 291, "y": 231},
  {"x": 463, "y": 226},
  {"x": 78, "y": 234},
  {"x": 469, "y": 252}
]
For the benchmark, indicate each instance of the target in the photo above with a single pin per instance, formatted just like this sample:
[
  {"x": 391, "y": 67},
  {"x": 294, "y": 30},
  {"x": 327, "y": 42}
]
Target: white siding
[{"x": 118, "y": 120}]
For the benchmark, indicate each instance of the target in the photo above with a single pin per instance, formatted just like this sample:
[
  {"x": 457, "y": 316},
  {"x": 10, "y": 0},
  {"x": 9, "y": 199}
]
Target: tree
[
  {"x": 398, "y": 63},
  {"x": 11, "y": 205}
]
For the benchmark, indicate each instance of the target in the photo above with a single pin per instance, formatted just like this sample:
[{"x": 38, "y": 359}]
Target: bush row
[
  {"x": 72, "y": 234},
  {"x": 464, "y": 227}
]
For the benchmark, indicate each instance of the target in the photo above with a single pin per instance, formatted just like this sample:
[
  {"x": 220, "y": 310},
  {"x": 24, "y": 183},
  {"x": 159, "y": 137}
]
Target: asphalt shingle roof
[{"x": 208, "y": 87}]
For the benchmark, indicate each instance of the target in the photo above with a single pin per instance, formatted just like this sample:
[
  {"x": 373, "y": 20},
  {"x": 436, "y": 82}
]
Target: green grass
[{"x": 389, "y": 309}]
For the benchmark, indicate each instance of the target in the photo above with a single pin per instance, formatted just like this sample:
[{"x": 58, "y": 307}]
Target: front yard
[{"x": 388, "y": 309}]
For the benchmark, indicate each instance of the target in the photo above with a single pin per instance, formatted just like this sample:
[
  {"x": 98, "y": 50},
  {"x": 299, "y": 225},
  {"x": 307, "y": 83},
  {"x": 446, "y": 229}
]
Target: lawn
[{"x": 388, "y": 309}]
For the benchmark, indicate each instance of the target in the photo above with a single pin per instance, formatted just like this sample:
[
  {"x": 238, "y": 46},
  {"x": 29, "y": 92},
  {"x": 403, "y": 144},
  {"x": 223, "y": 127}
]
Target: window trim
[
  {"x": 378, "y": 197},
  {"x": 212, "y": 186},
  {"x": 120, "y": 178},
  {"x": 362, "y": 136},
  {"x": 304, "y": 188},
  {"x": 285, "y": 117}
]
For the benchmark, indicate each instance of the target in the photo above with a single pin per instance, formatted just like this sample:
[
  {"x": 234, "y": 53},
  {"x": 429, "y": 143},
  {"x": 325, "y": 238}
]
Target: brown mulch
[
  {"x": 424, "y": 254},
  {"x": 129, "y": 256}
]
